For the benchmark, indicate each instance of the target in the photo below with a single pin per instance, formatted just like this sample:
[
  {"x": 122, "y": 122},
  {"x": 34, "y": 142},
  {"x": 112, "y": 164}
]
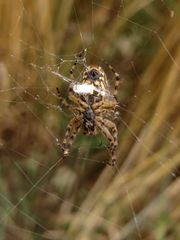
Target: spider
[{"x": 93, "y": 109}]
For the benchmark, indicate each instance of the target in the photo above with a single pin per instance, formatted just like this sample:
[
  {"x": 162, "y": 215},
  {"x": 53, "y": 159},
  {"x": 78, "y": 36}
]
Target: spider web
[{"x": 25, "y": 100}]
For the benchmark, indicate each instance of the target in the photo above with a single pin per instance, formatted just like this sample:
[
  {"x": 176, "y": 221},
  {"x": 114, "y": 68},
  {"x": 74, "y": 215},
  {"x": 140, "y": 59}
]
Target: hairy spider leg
[
  {"x": 104, "y": 106},
  {"x": 109, "y": 130},
  {"x": 71, "y": 131},
  {"x": 118, "y": 79},
  {"x": 63, "y": 102},
  {"x": 77, "y": 98},
  {"x": 78, "y": 57},
  {"x": 75, "y": 110}
]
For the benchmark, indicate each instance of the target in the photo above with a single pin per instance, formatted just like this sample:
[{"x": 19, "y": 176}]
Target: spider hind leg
[
  {"x": 77, "y": 58},
  {"x": 118, "y": 79}
]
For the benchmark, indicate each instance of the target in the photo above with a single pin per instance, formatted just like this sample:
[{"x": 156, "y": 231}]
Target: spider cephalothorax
[
  {"x": 92, "y": 108},
  {"x": 89, "y": 121}
]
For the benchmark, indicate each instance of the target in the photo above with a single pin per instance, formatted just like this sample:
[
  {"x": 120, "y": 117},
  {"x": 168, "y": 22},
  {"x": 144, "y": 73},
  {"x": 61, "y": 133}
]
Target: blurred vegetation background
[{"x": 83, "y": 199}]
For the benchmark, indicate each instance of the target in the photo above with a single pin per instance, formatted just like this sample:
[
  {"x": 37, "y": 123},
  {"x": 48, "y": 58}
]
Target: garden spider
[{"x": 92, "y": 109}]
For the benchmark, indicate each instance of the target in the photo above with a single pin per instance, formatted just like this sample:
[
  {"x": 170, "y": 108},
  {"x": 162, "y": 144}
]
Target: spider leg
[
  {"x": 77, "y": 98},
  {"x": 104, "y": 106},
  {"x": 63, "y": 102},
  {"x": 109, "y": 130},
  {"x": 118, "y": 79},
  {"x": 71, "y": 131},
  {"x": 73, "y": 96},
  {"x": 77, "y": 58}
]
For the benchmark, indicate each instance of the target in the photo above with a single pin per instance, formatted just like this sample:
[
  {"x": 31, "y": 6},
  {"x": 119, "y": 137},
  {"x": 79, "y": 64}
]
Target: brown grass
[{"x": 83, "y": 199}]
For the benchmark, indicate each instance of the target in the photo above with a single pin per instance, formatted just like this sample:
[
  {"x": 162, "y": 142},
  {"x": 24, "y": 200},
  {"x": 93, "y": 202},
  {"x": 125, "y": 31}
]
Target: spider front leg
[
  {"x": 109, "y": 130},
  {"x": 71, "y": 131}
]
